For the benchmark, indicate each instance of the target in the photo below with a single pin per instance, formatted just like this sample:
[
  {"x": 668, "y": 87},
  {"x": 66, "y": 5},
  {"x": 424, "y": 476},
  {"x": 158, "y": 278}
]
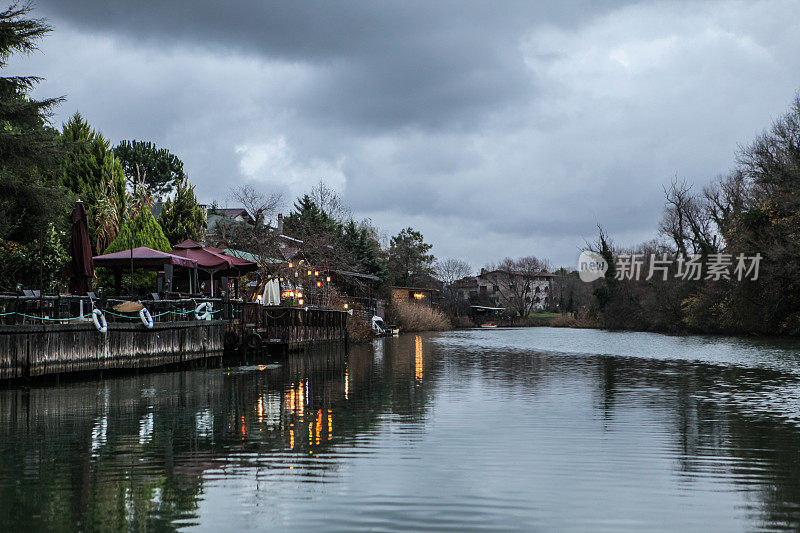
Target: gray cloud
[{"x": 496, "y": 129}]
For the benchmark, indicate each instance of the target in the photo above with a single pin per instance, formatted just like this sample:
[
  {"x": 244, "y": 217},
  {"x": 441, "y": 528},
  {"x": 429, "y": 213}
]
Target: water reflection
[{"x": 462, "y": 431}]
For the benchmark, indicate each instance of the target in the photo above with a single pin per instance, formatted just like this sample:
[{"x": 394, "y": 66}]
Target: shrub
[
  {"x": 37, "y": 264},
  {"x": 415, "y": 317},
  {"x": 573, "y": 321},
  {"x": 358, "y": 330},
  {"x": 461, "y": 322}
]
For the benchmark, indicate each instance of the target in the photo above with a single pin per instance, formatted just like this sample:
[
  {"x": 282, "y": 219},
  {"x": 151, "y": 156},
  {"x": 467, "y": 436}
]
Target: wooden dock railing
[{"x": 254, "y": 325}]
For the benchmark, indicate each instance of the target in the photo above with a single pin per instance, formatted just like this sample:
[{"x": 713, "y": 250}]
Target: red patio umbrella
[
  {"x": 80, "y": 269},
  {"x": 144, "y": 258},
  {"x": 214, "y": 261},
  {"x": 206, "y": 259}
]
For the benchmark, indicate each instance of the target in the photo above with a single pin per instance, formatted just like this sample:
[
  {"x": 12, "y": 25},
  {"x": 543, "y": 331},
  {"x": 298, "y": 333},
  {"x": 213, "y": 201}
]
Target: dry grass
[
  {"x": 358, "y": 329},
  {"x": 414, "y": 317},
  {"x": 461, "y": 322}
]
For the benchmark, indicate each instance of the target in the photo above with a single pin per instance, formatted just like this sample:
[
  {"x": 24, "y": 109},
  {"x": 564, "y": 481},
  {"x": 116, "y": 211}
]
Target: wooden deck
[
  {"x": 41, "y": 336},
  {"x": 37, "y": 350}
]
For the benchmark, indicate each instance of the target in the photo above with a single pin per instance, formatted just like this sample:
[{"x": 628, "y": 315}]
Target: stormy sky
[{"x": 496, "y": 128}]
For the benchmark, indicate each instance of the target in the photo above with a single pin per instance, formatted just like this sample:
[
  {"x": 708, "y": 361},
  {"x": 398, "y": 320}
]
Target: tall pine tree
[
  {"x": 94, "y": 174},
  {"x": 29, "y": 148},
  {"x": 147, "y": 165},
  {"x": 364, "y": 250},
  {"x": 410, "y": 262},
  {"x": 182, "y": 217}
]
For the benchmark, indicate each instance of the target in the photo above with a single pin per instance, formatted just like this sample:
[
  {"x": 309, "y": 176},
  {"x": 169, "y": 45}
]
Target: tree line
[{"x": 751, "y": 211}]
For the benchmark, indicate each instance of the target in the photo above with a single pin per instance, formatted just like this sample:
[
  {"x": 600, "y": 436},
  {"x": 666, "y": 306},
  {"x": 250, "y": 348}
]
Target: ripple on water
[{"x": 499, "y": 430}]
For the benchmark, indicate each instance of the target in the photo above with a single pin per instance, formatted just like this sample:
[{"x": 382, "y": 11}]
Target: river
[{"x": 517, "y": 429}]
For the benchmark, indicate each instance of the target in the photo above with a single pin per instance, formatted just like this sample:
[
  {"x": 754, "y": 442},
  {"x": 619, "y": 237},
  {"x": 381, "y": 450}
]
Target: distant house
[
  {"x": 420, "y": 295},
  {"x": 237, "y": 214},
  {"x": 289, "y": 246},
  {"x": 217, "y": 216},
  {"x": 502, "y": 288}
]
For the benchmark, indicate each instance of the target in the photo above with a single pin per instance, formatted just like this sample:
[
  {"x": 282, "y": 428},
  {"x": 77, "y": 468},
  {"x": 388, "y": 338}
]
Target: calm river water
[{"x": 525, "y": 429}]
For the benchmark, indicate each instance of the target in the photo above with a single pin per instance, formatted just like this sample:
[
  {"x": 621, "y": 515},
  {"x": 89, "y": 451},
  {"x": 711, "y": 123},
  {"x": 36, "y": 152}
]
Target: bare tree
[
  {"x": 726, "y": 198},
  {"x": 330, "y": 202},
  {"x": 262, "y": 207},
  {"x": 519, "y": 282},
  {"x": 687, "y": 220},
  {"x": 451, "y": 269}
]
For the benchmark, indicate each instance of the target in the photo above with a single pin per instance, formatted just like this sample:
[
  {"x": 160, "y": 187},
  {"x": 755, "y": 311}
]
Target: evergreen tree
[
  {"x": 409, "y": 259},
  {"x": 29, "y": 147},
  {"x": 365, "y": 251},
  {"x": 142, "y": 230},
  {"x": 94, "y": 174},
  {"x": 154, "y": 168},
  {"x": 321, "y": 234},
  {"x": 308, "y": 219},
  {"x": 182, "y": 217}
]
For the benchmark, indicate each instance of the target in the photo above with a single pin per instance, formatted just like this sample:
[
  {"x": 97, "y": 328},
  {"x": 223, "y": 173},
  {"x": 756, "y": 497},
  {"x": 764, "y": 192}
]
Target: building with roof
[
  {"x": 523, "y": 291},
  {"x": 420, "y": 295}
]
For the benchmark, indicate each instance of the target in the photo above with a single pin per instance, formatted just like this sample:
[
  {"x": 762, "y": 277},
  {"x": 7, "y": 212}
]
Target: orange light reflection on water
[{"x": 418, "y": 359}]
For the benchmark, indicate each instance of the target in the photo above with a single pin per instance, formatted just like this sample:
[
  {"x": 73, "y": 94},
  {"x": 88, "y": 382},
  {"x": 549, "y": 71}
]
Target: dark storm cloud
[
  {"x": 497, "y": 128},
  {"x": 386, "y": 64}
]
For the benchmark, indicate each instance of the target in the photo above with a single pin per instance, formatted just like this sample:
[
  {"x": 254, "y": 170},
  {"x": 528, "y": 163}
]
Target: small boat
[
  {"x": 384, "y": 330},
  {"x": 488, "y": 325}
]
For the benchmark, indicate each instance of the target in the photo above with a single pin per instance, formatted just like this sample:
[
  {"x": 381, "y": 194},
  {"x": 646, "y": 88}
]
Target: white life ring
[
  {"x": 146, "y": 318},
  {"x": 202, "y": 311},
  {"x": 99, "y": 320}
]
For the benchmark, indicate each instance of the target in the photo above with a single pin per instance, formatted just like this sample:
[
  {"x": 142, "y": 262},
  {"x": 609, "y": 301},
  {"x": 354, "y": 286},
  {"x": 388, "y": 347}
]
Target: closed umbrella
[{"x": 80, "y": 269}]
